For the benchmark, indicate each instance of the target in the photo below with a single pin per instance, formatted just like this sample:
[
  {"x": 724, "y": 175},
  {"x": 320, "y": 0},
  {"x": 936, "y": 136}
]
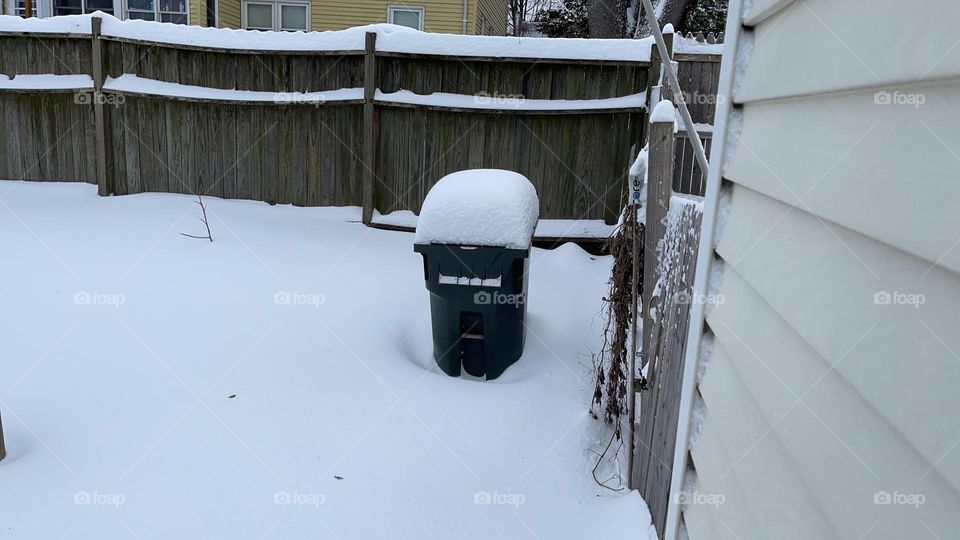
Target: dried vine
[{"x": 611, "y": 366}]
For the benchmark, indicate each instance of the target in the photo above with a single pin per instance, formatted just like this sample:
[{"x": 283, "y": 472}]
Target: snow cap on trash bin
[{"x": 480, "y": 207}]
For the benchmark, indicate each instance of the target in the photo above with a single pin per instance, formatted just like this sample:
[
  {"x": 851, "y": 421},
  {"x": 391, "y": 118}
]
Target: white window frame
[
  {"x": 243, "y": 14},
  {"x": 52, "y": 11},
  {"x": 392, "y": 8},
  {"x": 276, "y": 5},
  {"x": 156, "y": 10},
  {"x": 44, "y": 8}
]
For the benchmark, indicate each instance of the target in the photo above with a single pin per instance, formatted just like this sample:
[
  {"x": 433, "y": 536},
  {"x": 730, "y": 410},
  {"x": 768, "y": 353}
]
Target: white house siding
[{"x": 841, "y": 171}]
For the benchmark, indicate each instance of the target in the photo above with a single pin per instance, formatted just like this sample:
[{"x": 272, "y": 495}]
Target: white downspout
[
  {"x": 704, "y": 260},
  {"x": 466, "y": 4}
]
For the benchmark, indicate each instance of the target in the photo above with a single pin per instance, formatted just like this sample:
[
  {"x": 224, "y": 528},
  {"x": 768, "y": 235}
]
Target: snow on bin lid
[{"x": 480, "y": 207}]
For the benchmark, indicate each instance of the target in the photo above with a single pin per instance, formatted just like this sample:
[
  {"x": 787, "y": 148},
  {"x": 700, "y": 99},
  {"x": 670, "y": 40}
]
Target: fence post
[
  {"x": 369, "y": 125},
  {"x": 653, "y": 79},
  {"x": 105, "y": 171},
  {"x": 659, "y": 189},
  {"x": 666, "y": 92}
]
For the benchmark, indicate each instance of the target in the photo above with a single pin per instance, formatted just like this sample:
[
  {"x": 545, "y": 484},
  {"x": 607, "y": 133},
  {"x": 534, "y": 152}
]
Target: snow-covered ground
[{"x": 277, "y": 383}]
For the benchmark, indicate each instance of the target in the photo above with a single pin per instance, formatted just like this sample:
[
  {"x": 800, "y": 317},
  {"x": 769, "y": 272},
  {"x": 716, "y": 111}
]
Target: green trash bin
[{"x": 474, "y": 233}]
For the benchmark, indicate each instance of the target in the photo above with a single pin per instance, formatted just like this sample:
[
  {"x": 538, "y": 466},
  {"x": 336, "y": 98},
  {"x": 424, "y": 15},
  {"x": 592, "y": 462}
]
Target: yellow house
[{"x": 477, "y": 17}]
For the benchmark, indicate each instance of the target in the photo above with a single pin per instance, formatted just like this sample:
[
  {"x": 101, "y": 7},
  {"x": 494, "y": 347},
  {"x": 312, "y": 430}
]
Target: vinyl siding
[
  {"x": 495, "y": 16},
  {"x": 229, "y": 13},
  {"x": 732, "y": 414},
  {"x": 761, "y": 9},
  {"x": 819, "y": 46},
  {"x": 442, "y": 16},
  {"x": 815, "y": 398},
  {"x": 198, "y": 12}
]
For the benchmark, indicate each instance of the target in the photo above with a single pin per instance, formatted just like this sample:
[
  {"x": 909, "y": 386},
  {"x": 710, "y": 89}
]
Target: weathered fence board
[
  {"x": 46, "y": 136},
  {"x": 699, "y": 78},
  {"x": 289, "y": 72},
  {"x": 575, "y": 170},
  {"x": 664, "y": 349},
  {"x": 541, "y": 80},
  {"x": 671, "y": 239},
  {"x": 297, "y": 154},
  {"x": 48, "y": 54},
  {"x": 660, "y": 166},
  {"x": 687, "y": 176}
]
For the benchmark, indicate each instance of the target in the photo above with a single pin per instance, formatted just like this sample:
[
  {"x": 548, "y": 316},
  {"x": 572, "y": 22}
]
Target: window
[
  {"x": 259, "y": 16},
  {"x": 61, "y": 7},
  {"x": 406, "y": 16},
  {"x": 169, "y": 11},
  {"x": 50, "y": 8},
  {"x": 293, "y": 17},
  {"x": 212, "y": 13},
  {"x": 20, "y": 9},
  {"x": 280, "y": 16}
]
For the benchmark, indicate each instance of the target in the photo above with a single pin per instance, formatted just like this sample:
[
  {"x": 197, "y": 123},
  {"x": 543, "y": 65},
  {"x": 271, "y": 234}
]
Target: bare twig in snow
[{"x": 203, "y": 210}]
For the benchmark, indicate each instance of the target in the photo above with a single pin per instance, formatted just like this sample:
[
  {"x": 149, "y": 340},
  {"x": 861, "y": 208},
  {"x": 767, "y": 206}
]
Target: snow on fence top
[
  {"x": 390, "y": 38},
  {"x": 139, "y": 85},
  {"x": 480, "y": 207},
  {"x": 65, "y": 24},
  {"x": 663, "y": 112},
  {"x": 46, "y": 82},
  {"x": 134, "y": 84},
  {"x": 689, "y": 45},
  {"x": 507, "y": 103}
]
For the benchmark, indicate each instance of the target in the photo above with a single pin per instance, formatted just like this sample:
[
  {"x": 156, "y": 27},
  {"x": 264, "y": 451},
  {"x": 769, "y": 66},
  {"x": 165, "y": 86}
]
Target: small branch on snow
[{"x": 203, "y": 210}]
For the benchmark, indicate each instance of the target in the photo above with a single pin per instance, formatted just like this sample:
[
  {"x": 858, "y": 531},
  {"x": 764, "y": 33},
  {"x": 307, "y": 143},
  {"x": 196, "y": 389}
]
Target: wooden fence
[
  {"x": 709, "y": 37},
  {"x": 688, "y": 178},
  {"x": 674, "y": 211},
  {"x": 699, "y": 77},
  {"x": 367, "y": 151},
  {"x": 671, "y": 238}
]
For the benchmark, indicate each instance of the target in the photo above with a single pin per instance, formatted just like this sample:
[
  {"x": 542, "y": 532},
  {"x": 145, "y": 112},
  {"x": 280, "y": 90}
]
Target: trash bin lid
[{"x": 480, "y": 207}]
